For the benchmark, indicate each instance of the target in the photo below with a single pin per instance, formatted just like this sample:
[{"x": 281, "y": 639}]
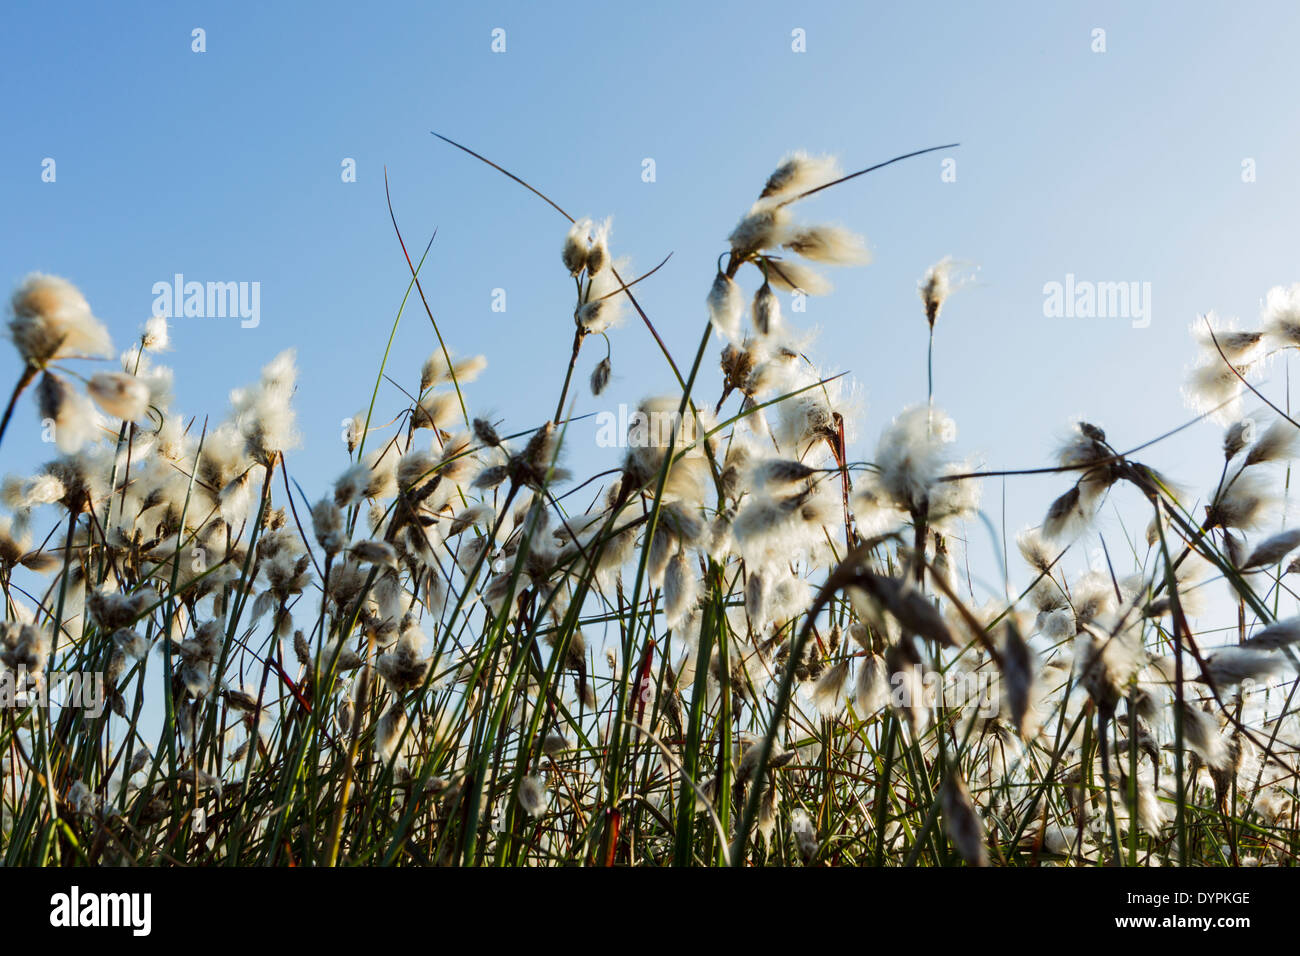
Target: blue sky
[{"x": 1123, "y": 165}]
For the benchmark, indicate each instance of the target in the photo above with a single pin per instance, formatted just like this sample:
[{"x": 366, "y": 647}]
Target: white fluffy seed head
[
  {"x": 1280, "y": 441},
  {"x": 911, "y": 456},
  {"x": 532, "y": 795},
  {"x": 680, "y": 586},
  {"x": 156, "y": 336},
  {"x": 765, "y": 226},
  {"x": 1282, "y": 316},
  {"x": 73, "y": 417},
  {"x": 935, "y": 287},
  {"x": 766, "y": 311},
  {"x": 1218, "y": 340},
  {"x": 832, "y": 245},
  {"x": 828, "y": 692},
  {"x": 726, "y": 305},
  {"x": 327, "y": 523},
  {"x": 52, "y": 320},
  {"x": 799, "y": 172},
  {"x": 119, "y": 394},
  {"x": 577, "y": 243}
]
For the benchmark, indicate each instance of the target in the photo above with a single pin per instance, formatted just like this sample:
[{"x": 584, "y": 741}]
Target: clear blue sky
[{"x": 225, "y": 165}]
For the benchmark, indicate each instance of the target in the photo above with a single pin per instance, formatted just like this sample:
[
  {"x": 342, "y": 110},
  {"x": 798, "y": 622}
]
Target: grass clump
[{"x": 748, "y": 648}]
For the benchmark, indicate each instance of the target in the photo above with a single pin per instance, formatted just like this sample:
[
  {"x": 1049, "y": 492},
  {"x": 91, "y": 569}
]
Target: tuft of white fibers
[
  {"x": 235, "y": 497},
  {"x": 598, "y": 251},
  {"x": 832, "y": 245},
  {"x": 1057, "y": 625},
  {"x": 82, "y": 799},
  {"x": 1093, "y": 599},
  {"x": 119, "y": 394},
  {"x": 871, "y": 687},
  {"x": 1282, "y": 316},
  {"x": 935, "y": 287},
  {"x": 457, "y": 463},
  {"x": 74, "y": 418},
  {"x": 197, "y": 678},
  {"x": 779, "y": 474},
  {"x": 375, "y": 476},
  {"x": 799, "y": 172},
  {"x": 13, "y": 544},
  {"x": 680, "y": 588},
  {"x": 1083, "y": 445},
  {"x": 403, "y": 665},
  {"x": 354, "y": 430},
  {"x": 553, "y": 743},
  {"x": 805, "y": 835},
  {"x": 807, "y": 418},
  {"x": 19, "y": 493},
  {"x": 600, "y": 376},
  {"x": 438, "y": 370},
  {"x": 1272, "y": 550},
  {"x": 747, "y": 751},
  {"x": 436, "y": 410},
  {"x": 1280, "y": 441},
  {"x": 1201, "y": 733},
  {"x": 953, "y": 501},
  {"x": 719, "y": 543},
  {"x": 1107, "y": 663},
  {"x": 828, "y": 692},
  {"x": 264, "y": 413},
  {"x": 765, "y": 226},
  {"x": 577, "y": 242},
  {"x": 24, "y": 646},
  {"x": 1019, "y": 671},
  {"x": 726, "y": 306},
  {"x": 1234, "y": 665},
  {"x": 1236, "y": 437},
  {"x": 767, "y": 528},
  {"x": 1058, "y": 840},
  {"x": 52, "y": 320},
  {"x": 586, "y": 692},
  {"x": 1248, "y": 501},
  {"x": 912, "y": 455},
  {"x": 1151, "y": 813},
  {"x": 414, "y": 468},
  {"x": 157, "y": 379},
  {"x": 111, "y": 609},
  {"x": 1214, "y": 335},
  {"x": 767, "y": 807},
  {"x": 388, "y": 732},
  {"x": 766, "y": 311},
  {"x": 1214, "y": 388},
  {"x": 155, "y": 336},
  {"x": 375, "y": 552},
  {"x": 755, "y": 595},
  {"x": 655, "y": 427},
  {"x": 533, "y": 795},
  {"x": 604, "y": 302},
  {"x": 131, "y": 644},
  {"x": 1283, "y": 633},
  {"x": 961, "y": 821},
  {"x": 1034, "y": 549},
  {"x": 787, "y": 599},
  {"x": 790, "y": 276}
]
